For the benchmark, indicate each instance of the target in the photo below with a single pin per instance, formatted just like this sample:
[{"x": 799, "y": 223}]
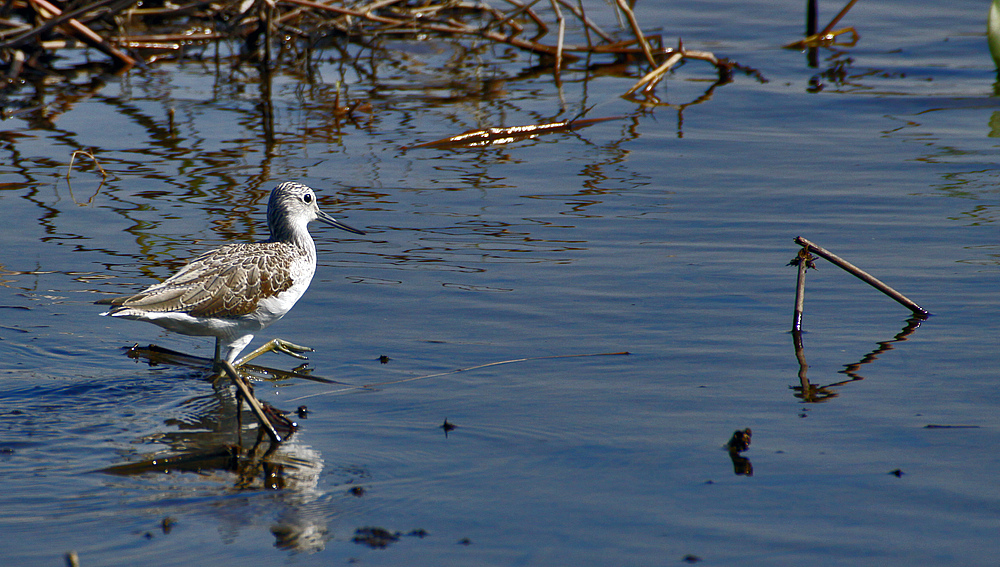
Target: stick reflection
[{"x": 812, "y": 393}]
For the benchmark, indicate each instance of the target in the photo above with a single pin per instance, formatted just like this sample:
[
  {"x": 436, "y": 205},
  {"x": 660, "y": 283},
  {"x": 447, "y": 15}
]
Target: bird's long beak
[{"x": 325, "y": 218}]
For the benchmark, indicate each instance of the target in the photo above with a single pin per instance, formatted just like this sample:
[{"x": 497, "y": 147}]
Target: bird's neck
[{"x": 296, "y": 235}]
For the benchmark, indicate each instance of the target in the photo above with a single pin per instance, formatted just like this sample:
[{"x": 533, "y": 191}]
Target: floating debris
[
  {"x": 167, "y": 524},
  {"x": 447, "y": 426},
  {"x": 374, "y": 537},
  {"x": 740, "y": 441}
]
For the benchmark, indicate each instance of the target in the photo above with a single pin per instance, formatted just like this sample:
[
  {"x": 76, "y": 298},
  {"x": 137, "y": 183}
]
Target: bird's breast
[{"x": 274, "y": 306}]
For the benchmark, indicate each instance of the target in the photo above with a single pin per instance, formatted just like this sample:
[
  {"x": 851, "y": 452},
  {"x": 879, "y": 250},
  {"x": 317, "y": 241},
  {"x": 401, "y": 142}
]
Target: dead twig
[
  {"x": 678, "y": 54},
  {"x": 804, "y": 261},
  {"x": 863, "y": 276},
  {"x": 543, "y": 28},
  {"x": 562, "y": 35},
  {"x": 72, "y": 157},
  {"x": 817, "y": 40},
  {"x": 650, "y": 79},
  {"x": 500, "y": 136},
  {"x": 85, "y": 34},
  {"x": 836, "y": 19},
  {"x": 634, "y": 23},
  {"x": 53, "y": 20},
  {"x": 255, "y": 405},
  {"x": 826, "y": 35},
  {"x": 588, "y": 24}
]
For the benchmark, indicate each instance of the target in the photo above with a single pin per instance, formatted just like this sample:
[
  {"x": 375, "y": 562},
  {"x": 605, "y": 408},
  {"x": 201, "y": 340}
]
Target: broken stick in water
[
  {"x": 803, "y": 260},
  {"x": 863, "y": 275},
  {"x": 258, "y": 410}
]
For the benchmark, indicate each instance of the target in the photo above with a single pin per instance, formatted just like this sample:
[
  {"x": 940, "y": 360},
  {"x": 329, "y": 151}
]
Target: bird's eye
[{"x": 308, "y": 198}]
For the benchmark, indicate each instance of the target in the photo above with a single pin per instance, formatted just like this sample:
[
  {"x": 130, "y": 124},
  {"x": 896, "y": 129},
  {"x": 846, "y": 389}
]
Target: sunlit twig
[
  {"x": 826, "y": 36},
  {"x": 820, "y": 39},
  {"x": 723, "y": 66},
  {"x": 506, "y": 135},
  {"x": 562, "y": 35},
  {"x": 72, "y": 157},
  {"x": 639, "y": 36}
]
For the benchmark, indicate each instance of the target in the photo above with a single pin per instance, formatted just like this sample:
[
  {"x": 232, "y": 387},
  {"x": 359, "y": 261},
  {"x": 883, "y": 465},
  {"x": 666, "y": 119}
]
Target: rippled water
[{"x": 664, "y": 233}]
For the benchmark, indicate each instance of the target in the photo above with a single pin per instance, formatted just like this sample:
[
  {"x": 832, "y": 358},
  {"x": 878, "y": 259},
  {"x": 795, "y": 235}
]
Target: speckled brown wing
[{"x": 225, "y": 282}]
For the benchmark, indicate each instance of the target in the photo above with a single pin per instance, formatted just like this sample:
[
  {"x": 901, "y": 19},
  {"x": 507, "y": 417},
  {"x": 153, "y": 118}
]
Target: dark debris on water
[{"x": 380, "y": 538}]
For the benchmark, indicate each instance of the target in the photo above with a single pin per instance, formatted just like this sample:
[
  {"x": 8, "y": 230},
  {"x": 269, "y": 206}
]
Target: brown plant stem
[
  {"x": 244, "y": 390},
  {"x": 634, "y": 23},
  {"x": 800, "y": 289},
  {"x": 86, "y": 34},
  {"x": 836, "y": 19}
]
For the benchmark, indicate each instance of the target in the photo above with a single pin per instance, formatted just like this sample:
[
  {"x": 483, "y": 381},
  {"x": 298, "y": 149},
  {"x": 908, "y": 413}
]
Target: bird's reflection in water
[
  {"x": 210, "y": 439},
  {"x": 301, "y": 525}
]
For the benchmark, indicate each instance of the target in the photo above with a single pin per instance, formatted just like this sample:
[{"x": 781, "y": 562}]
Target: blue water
[{"x": 665, "y": 233}]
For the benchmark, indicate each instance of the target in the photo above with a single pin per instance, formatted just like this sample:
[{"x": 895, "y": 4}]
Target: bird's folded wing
[{"x": 225, "y": 282}]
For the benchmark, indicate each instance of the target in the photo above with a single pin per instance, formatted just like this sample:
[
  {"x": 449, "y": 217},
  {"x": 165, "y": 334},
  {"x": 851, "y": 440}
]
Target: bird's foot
[{"x": 276, "y": 345}]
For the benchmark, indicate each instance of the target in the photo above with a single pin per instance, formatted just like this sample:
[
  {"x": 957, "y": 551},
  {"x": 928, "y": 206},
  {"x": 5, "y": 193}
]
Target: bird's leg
[
  {"x": 279, "y": 345},
  {"x": 239, "y": 417},
  {"x": 217, "y": 361}
]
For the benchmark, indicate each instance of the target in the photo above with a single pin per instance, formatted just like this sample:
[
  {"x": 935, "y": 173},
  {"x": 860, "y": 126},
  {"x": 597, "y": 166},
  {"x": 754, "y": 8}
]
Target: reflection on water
[
  {"x": 206, "y": 438},
  {"x": 737, "y": 444},
  {"x": 663, "y": 233},
  {"x": 812, "y": 393}
]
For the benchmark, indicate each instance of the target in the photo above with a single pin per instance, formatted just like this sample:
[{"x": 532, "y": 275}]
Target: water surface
[{"x": 665, "y": 233}]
